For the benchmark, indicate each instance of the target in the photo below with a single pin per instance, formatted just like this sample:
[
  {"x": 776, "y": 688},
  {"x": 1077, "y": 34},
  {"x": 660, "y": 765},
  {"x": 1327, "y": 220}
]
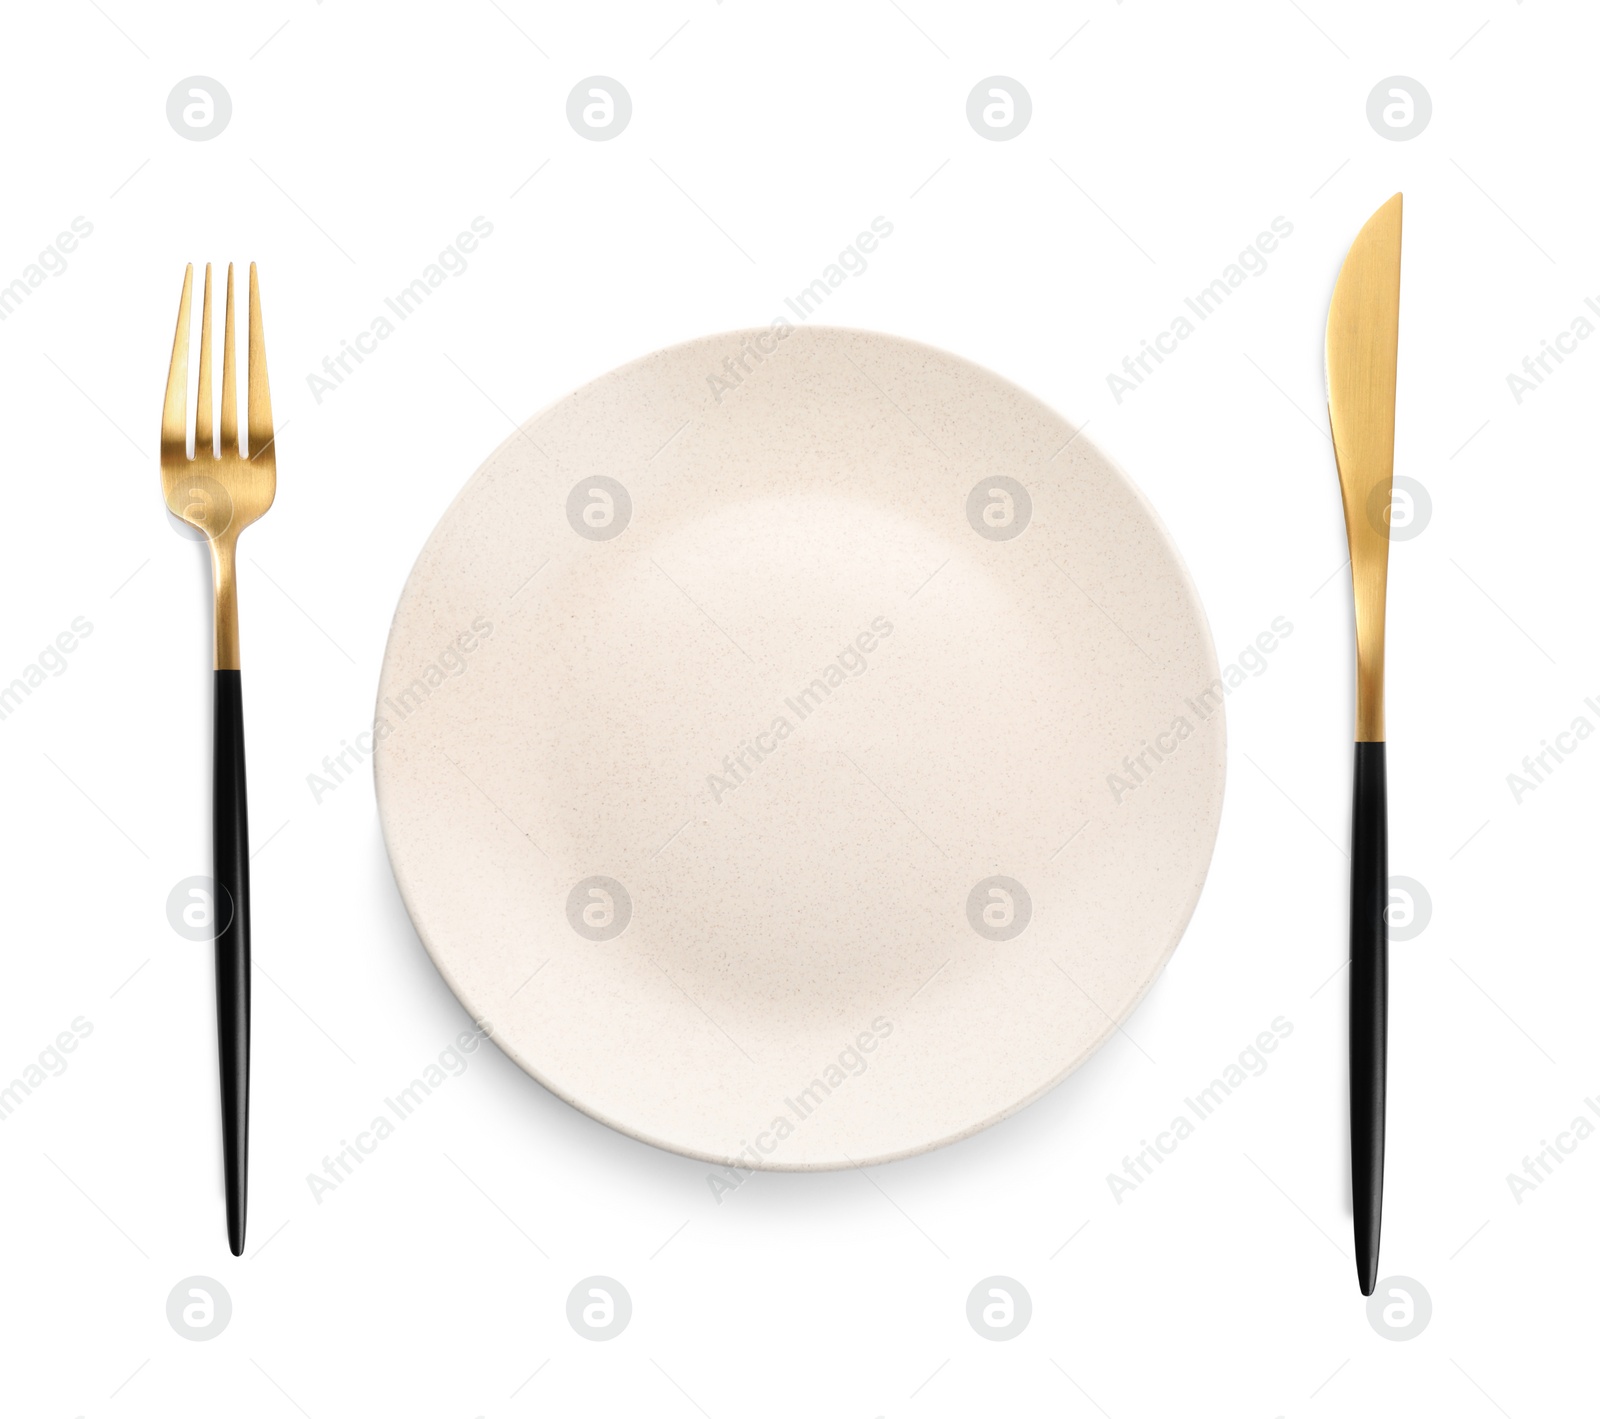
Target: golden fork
[{"x": 221, "y": 493}]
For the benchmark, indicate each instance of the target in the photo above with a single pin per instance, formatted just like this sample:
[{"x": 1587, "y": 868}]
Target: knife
[{"x": 1363, "y": 347}]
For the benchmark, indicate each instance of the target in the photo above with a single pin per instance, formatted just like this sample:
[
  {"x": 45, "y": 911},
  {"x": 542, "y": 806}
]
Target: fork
[{"x": 220, "y": 493}]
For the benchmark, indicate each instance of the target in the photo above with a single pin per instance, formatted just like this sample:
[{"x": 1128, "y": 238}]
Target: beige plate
[{"x": 799, "y": 749}]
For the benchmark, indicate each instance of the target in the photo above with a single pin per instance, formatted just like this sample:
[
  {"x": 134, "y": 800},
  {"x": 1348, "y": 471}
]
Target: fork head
[{"x": 220, "y": 491}]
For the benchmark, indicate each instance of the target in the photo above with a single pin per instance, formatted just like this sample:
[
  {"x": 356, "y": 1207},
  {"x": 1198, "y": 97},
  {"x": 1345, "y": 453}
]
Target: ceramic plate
[{"x": 800, "y": 748}]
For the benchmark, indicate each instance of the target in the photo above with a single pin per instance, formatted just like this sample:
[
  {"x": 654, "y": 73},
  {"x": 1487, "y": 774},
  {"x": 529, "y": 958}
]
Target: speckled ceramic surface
[{"x": 800, "y": 750}]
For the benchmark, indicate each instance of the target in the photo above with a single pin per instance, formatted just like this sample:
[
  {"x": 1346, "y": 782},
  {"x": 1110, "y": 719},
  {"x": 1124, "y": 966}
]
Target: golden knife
[{"x": 1363, "y": 349}]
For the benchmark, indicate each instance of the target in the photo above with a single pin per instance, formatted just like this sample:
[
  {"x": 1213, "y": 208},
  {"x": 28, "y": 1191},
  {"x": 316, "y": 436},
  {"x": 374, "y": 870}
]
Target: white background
[{"x": 1164, "y": 137}]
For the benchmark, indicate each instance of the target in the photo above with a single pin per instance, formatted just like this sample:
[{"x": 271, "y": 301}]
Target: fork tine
[
  {"x": 174, "y": 412},
  {"x": 258, "y": 413},
  {"x": 230, "y": 396},
  {"x": 203, "y": 444}
]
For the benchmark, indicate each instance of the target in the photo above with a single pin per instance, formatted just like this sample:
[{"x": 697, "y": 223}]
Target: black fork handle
[
  {"x": 1369, "y": 1001},
  {"x": 230, "y": 848}
]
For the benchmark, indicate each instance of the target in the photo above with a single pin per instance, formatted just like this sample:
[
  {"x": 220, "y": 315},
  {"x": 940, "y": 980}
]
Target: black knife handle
[
  {"x": 1369, "y": 1001},
  {"x": 230, "y": 848}
]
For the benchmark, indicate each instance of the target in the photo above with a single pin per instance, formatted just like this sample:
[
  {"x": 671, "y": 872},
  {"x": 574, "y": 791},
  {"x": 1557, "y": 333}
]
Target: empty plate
[{"x": 800, "y": 748}]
